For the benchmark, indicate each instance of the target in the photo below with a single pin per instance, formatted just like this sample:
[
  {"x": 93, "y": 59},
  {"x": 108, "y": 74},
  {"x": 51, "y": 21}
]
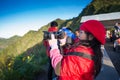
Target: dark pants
[{"x": 50, "y": 70}]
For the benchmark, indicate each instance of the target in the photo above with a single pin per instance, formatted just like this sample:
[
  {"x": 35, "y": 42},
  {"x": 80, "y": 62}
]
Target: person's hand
[{"x": 53, "y": 42}]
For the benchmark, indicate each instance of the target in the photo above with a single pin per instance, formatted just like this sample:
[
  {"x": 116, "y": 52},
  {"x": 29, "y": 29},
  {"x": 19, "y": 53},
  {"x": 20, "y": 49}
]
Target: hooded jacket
[
  {"x": 45, "y": 42},
  {"x": 75, "y": 67}
]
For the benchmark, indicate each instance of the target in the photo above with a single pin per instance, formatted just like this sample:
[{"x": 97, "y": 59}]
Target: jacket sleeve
[
  {"x": 55, "y": 56},
  {"x": 46, "y": 44}
]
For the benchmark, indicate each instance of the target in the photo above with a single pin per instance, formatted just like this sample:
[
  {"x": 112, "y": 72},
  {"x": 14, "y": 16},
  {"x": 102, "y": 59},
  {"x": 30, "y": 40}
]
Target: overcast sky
[{"x": 17, "y": 17}]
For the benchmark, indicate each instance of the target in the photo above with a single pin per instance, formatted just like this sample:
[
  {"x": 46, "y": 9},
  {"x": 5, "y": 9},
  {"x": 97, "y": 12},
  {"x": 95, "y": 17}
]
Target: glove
[{"x": 53, "y": 42}]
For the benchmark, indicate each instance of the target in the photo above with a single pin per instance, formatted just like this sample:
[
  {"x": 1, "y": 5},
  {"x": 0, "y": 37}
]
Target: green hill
[
  {"x": 28, "y": 40},
  {"x": 27, "y": 50},
  {"x": 5, "y": 42},
  {"x": 25, "y": 58},
  {"x": 97, "y": 7}
]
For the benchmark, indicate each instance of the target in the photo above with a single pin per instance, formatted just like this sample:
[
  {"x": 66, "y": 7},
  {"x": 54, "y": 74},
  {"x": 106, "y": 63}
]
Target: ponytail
[{"x": 96, "y": 46}]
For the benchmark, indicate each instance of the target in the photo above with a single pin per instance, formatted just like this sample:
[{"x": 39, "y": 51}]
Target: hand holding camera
[
  {"x": 53, "y": 42},
  {"x": 58, "y": 35}
]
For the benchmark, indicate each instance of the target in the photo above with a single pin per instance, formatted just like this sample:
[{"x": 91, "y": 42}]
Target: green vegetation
[
  {"x": 101, "y": 6},
  {"x": 23, "y": 58},
  {"x": 5, "y": 42},
  {"x": 24, "y": 66},
  {"x": 97, "y": 7}
]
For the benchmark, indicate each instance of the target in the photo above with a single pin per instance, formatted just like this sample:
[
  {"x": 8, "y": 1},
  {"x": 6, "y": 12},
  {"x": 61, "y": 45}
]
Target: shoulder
[{"x": 53, "y": 29}]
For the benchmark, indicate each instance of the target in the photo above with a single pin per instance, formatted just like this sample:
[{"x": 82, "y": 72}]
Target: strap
[{"x": 81, "y": 55}]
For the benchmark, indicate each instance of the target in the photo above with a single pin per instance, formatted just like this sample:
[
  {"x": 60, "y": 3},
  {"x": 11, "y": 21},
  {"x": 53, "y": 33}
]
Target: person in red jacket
[
  {"x": 53, "y": 28},
  {"x": 83, "y": 61},
  {"x": 67, "y": 41}
]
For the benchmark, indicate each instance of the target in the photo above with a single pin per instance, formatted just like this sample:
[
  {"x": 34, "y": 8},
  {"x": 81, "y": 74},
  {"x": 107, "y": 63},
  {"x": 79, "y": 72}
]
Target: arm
[{"x": 55, "y": 55}]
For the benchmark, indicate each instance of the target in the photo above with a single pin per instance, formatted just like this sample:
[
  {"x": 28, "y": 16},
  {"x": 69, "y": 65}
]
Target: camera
[{"x": 58, "y": 35}]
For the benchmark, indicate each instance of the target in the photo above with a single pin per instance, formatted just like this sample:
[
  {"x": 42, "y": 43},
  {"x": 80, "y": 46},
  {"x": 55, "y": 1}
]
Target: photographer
[
  {"x": 52, "y": 28},
  {"x": 83, "y": 61},
  {"x": 68, "y": 40}
]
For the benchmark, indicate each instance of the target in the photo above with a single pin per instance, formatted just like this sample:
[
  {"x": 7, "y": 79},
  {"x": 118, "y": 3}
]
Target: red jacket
[
  {"x": 45, "y": 42},
  {"x": 77, "y": 68},
  {"x": 52, "y": 29}
]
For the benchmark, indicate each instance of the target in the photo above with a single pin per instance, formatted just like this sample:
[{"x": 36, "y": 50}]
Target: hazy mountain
[
  {"x": 5, "y": 42},
  {"x": 27, "y": 41}
]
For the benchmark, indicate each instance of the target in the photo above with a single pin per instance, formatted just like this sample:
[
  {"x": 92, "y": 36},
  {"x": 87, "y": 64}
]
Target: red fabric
[
  {"x": 46, "y": 44},
  {"x": 76, "y": 40},
  {"x": 95, "y": 28},
  {"x": 67, "y": 48},
  {"x": 76, "y": 67},
  {"x": 118, "y": 40},
  {"x": 52, "y": 29}
]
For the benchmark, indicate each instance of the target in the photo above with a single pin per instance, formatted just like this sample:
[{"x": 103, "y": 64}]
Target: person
[
  {"x": 53, "y": 28},
  {"x": 77, "y": 32},
  {"x": 117, "y": 30},
  {"x": 113, "y": 36},
  {"x": 83, "y": 62},
  {"x": 77, "y": 36},
  {"x": 116, "y": 44},
  {"x": 68, "y": 40}
]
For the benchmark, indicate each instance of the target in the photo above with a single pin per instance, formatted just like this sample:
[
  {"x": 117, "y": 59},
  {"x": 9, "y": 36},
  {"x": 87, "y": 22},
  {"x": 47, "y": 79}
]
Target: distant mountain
[
  {"x": 5, "y": 42},
  {"x": 28, "y": 40}
]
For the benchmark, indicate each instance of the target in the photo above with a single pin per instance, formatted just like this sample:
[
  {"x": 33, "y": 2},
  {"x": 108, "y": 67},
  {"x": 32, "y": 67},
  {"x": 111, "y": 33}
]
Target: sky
[{"x": 17, "y": 17}]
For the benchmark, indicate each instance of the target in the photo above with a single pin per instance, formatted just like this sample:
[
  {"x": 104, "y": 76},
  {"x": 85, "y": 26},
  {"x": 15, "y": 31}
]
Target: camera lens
[{"x": 46, "y": 35}]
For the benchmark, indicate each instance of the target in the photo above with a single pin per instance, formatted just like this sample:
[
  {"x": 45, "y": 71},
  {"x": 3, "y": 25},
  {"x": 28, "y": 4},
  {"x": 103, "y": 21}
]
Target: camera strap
[{"x": 91, "y": 57}]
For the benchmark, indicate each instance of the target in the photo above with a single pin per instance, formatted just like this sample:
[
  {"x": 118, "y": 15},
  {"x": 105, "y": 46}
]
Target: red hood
[{"x": 53, "y": 29}]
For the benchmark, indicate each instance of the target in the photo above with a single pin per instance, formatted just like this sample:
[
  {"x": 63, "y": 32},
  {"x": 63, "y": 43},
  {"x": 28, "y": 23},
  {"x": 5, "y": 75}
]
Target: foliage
[
  {"x": 24, "y": 66},
  {"x": 25, "y": 58},
  {"x": 5, "y": 42},
  {"x": 96, "y": 7}
]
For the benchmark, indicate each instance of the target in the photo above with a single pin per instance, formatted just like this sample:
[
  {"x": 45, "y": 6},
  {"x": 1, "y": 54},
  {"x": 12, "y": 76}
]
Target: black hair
[
  {"x": 54, "y": 24},
  {"x": 77, "y": 29},
  {"x": 96, "y": 46}
]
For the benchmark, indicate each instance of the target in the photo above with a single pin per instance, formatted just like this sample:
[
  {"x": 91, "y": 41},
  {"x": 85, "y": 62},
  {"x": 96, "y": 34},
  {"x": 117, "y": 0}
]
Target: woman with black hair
[{"x": 83, "y": 61}]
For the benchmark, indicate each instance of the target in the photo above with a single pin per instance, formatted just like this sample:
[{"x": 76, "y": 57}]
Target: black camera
[{"x": 58, "y": 35}]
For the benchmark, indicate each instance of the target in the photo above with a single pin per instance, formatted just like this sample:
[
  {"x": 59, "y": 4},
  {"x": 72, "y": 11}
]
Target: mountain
[
  {"x": 5, "y": 42},
  {"x": 101, "y": 6},
  {"x": 26, "y": 57},
  {"x": 28, "y": 40},
  {"x": 96, "y": 7},
  {"x": 26, "y": 54}
]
